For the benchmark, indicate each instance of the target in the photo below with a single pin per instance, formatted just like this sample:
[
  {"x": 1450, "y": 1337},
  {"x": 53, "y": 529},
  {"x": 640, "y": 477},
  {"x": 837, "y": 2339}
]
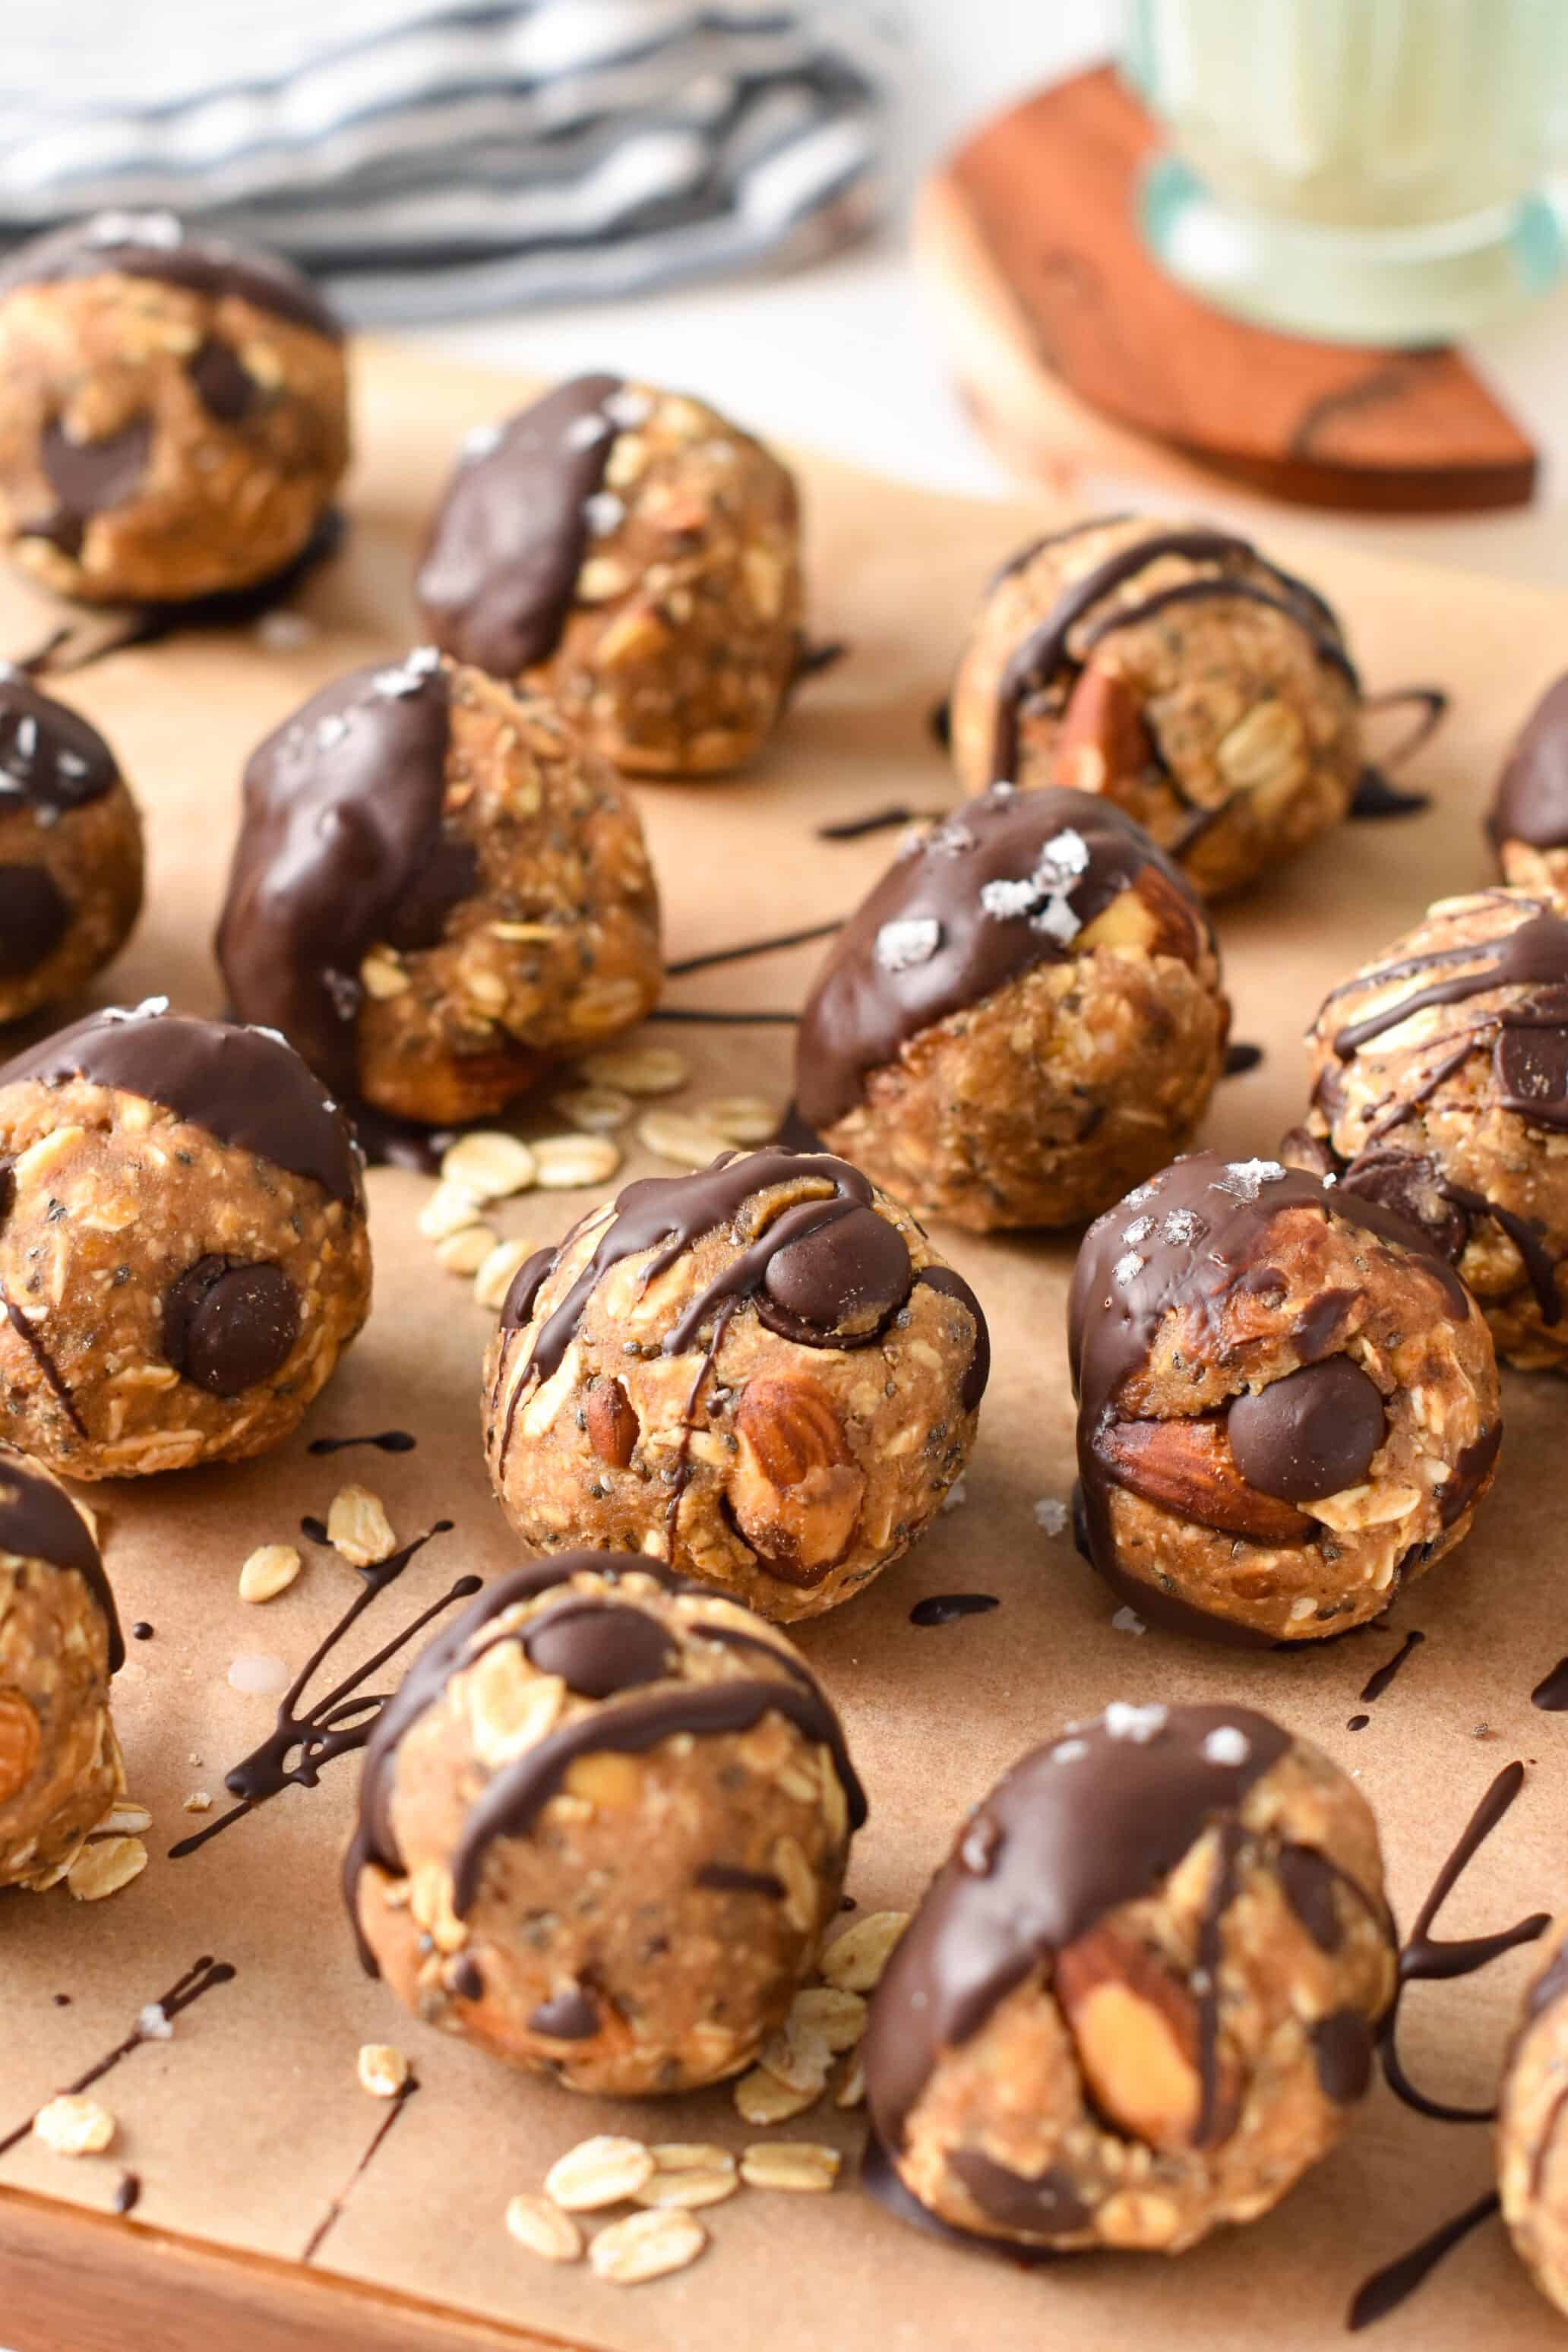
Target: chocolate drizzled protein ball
[
  {"x": 60, "y": 1643},
  {"x": 1288, "y": 1401},
  {"x": 183, "y": 1247},
  {"x": 1532, "y": 2125},
  {"x": 761, "y": 1374},
  {"x": 173, "y": 414},
  {"x": 1440, "y": 1086},
  {"x": 70, "y": 850},
  {"x": 1177, "y": 671},
  {"x": 437, "y": 893},
  {"x": 1023, "y": 1018},
  {"x": 602, "y": 1827},
  {"x": 633, "y": 554},
  {"x": 1527, "y": 821},
  {"x": 1141, "y": 1993}
]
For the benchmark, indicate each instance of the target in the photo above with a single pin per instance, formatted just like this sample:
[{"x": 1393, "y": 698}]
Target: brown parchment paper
[{"x": 247, "y": 2124}]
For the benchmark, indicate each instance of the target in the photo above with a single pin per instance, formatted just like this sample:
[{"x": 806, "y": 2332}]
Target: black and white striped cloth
[{"x": 429, "y": 159}]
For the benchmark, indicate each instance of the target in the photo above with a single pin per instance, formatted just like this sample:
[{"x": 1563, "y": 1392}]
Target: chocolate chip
[
  {"x": 568, "y": 2016},
  {"x": 34, "y": 919},
  {"x": 600, "y": 1648},
  {"x": 228, "y": 1324},
  {"x": 226, "y": 390},
  {"x": 844, "y": 1279},
  {"x": 1310, "y": 1434},
  {"x": 89, "y": 477}
]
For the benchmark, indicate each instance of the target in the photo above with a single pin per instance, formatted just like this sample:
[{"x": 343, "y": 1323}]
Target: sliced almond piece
[
  {"x": 603, "y": 2170},
  {"x": 1186, "y": 1467},
  {"x": 1136, "y": 2027},
  {"x": 1102, "y": 740}
]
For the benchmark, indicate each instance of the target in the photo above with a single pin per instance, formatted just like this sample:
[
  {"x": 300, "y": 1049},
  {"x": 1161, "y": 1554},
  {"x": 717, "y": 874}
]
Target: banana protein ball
[
  {"x": 1286, "y": 1402},
  {"x": 173, "y": 411},
  {"x": 1177, "y": 671},
  {"x": 60, "y": 1643},
  {"x": 1140, "y": 1997},
  {"x": 633, "y": 554},
  {"x": 1023, "y": 1018},
  {"x": 437, "y": 893},
  {"x": 183, "y": 1246},
  {"x": 603, "y": 1828},
  {"x": 1531, "y": 2143},
  {"x": 1528, "y": 820},
  {"x": 761, "y": 1374},
  {"x": 70, "y": 850},
  {"x": 1440, "y": 1087}
]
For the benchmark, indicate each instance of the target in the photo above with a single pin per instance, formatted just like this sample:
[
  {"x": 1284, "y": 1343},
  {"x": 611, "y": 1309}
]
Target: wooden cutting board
[{"x": 247, "y": 2130}]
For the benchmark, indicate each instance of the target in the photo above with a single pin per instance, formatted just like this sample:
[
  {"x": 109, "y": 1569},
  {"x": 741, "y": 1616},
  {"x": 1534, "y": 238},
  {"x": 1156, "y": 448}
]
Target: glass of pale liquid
[{"x": 1368, "y": 170}]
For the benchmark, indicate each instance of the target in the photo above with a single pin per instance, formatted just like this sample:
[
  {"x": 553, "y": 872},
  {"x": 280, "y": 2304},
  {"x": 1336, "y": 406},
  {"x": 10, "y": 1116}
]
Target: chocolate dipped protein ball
[
  {"x": 1440, "y": 1087},
  {"x": 602, "y": 1827},
  {"x": 1023, "y": 1018},
  {"x": 1177, "y": 671},
  {"x": 183, "y": 1246},
  {"x": 1141, "y": 1995},
  {"x": 1528, "y": 820},
  {"x": 437, "y": 893},
  {"x": 70, "y": 850},
  {"x": 633, "y": 554},
  {"x": 173, "y": 415},
  {"x": 1532, "y": 2125},
  {"x": 59, "y": 1643},
  {"x": 1288, "y": 1401},
  {"x": 761, "y": 1374}
]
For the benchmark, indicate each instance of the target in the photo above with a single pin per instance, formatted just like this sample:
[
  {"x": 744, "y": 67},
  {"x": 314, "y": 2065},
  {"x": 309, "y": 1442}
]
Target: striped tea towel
[{"x": 429, "y": 159}]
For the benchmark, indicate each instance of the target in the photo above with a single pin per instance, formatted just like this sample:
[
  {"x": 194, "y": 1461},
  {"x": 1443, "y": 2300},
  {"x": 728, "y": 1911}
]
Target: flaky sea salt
[
  {"x": 1128, "y": 1620},
  {"x": 1226, "y": 1745},
  {"x": 1245, "y": 1178},
  {"x": 1051, "y": 1514},
  {"x": 912, "y": 940},
  {"x": 1139, "y": 1724}
]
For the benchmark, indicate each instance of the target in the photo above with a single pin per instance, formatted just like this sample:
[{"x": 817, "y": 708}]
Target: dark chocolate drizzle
[
  {"x": 1387, "y": 2289},
  {"x": 1552, "y": 1691},
  {"x": 386, "y": 1440},
  {"x": 157, "y": 245},
  {"x": 749, "y": 949},
  {"x": 203, "y": 1975},
  {"x": 1239, "y": 1058},
  {"x": 884, "y": 820},
  {"x": 496, "y": 578},
  {"x": 873, "y": 997},
  {"x": 510, "y": 1802},
  {"x": 339, "y": 1722},
  {"x": 51, "y": 760},
  {"x": 39, "y": 1522},
  {"x": 1531, "y": 802},
  {"x": 329, "y": 2219},
  {"x": 947, "y": 1608},
  {"x": 1378, "y": 1683},
  {"x": 127, "y": 2192},
  {"x": 342, "y": 844},
  {"x": 248, "y": 1090},
  {"x": 730, "y": 1878}
]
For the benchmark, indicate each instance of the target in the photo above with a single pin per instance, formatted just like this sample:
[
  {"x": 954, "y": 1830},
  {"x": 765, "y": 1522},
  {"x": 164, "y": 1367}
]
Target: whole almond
[{"x": 613, "y": 1425}]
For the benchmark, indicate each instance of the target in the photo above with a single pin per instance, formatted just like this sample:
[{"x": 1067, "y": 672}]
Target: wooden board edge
[{"x": 75, "y": 2281}]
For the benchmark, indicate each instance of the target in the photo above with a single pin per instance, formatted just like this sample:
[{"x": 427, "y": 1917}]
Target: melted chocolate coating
[
  {"x": 504, "y": 551},
  {"x": 1344, "y": 2047},
  {"x": 597, "y": 1649},
  {"x": 1312, "y": 1434},
  {"x": 229, "y": 1325},
  {"x": 35, "y": 917},
  {"x": 1531, "y": 803},
  {"x": 1534, "y": 956},
  {"x": 341, "y": 845},
  {"x": 155, "y": 245},
  {"x": 39, "y": 1522},
  {"x": 509, "y": 1804},
  {"x": 249, "y": 1091},
  {"x": 862, "y": 1013},
  {"x": 51, "y": 760},
  {"x": 1189, "y": 1240},
  {"x": 1073, "y": 1832}
]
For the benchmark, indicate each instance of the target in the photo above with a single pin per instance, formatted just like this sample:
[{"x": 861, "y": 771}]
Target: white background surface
[{"x": 842, "y": 357}]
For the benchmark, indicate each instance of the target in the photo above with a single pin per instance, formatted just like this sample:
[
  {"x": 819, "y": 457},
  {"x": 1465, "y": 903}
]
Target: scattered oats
[
  {"x": 1128, "y": 1620},
  {"x": 71, "y": 2126},
  {"x": 126, "y": 1819},
  {"x": 603, "y": 512},
  {"x": 1227, "y": 1745},
  {"x": 833, "y": 2015},
  {"x": 792, "y": 2164},
  {"x": 955, "y": 1497},
  {"x": 800, "y": 2064},
  {"x": 912, "y": 939},
  {"x": 258, "y": 1675},
  {"x": 268, "y": 1571},
  {"x": 639, "y": 1069},
  {"x": 494, "y": 1278},
  {"x": 544, "y": 2229},
  {"x": 1051, "y": 1514},
  {"x": 105, "y": 1866},
  {"x": 566, "y": 1163},
  {"x": 855, "y": 1959},
  {"x": 448, "y": 1210},
  {"x": 672, "y": 1135},
  {"x": 1139, "y": 1724},
  {"x": 690, "y": 2156},
  {"x": 198, "y": 1802},
  {"x": 685, "y": 2190},
  {"x": 154, "y": 2024},
  {"x": 1128, "y": 1268},
  {"x": 762, "y": 2098},
  {"x": 488, "y": 1163},
  {"x": 599, "y": 1109},
  {"x": 284, "y": 633},
  {"x": 358, "y": 1528},
  {"x": 647, "y": 2246},
  {"x": 740, "y": 1119},
  {"x": 382, "y": 2071},
  {"x": 603, "y": 2170},
  {"x": 465, "y": 1253},
  {"x": 1245, "y": 1178}
]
